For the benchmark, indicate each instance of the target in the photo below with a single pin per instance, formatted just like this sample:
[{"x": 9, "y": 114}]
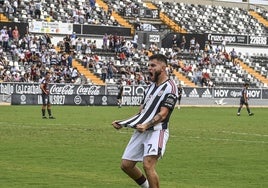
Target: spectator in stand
[
  {"x": 174, "y": 63},
  {"x": 187, "y": 68},
  {"x": 70, "y": 60},
  {"x": 63, "y": 61},
  {"x": 192, "y": 45},
  {"x": 104, "y": 71},
  {"x": 75, "y": 74},
  {"x": 9, "y": 32},
  {"x": 2, "y": 33},
  {"x": 110, "y": 70},
  {"x": 223, "y": 45},
  {"x": 217, "y": 49},
  {"x": 206, "y": 60},
  {"x": 105, "y": 42},
  {"x": 226, "y": 56},
  {"x": 197, "y": 75},
  {"x": 16, "y": 35},
  {"x": 67, "y": 43},
  {"x": 183, "y": 43},
  {"x": 37, "y": 10},
  {"x": 5, "y": 39},
  {"x": 205, "y": 79},
  {"x": 233, "y": 55},
  {"x": 135, "y": 41},
  {"x": 15, "y": 6},
  {"x": 73, "y": 41},
  {"x": 92, "y": 3},
  {"x": 88, "y": 47},
  {"x": 197, "y": 47},
  {"x": 79, "y": 45},
  {"x": 174, "y": 42}
]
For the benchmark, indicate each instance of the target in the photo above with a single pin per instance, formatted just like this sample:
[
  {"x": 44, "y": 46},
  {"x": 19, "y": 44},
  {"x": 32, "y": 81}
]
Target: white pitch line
[
  {"x": 228, "y": 140},
  {"x": 246, "y": 141},
  {"x": 248, "y": 134},
  {"x": 231, "y": 132},
  {"x": 126, "y": 132}
]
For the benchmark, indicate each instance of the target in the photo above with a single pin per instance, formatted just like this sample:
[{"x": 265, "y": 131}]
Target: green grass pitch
[{"x": 207, "y": 148}]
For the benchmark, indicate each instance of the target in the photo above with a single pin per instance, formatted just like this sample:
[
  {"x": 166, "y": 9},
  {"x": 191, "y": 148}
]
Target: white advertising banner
[{"x": 50, "y": 27}]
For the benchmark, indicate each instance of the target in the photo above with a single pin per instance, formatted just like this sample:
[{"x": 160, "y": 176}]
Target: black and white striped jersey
[{"x": 155, "y": 97}]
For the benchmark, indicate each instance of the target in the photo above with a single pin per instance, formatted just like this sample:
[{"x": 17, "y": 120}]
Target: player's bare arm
[
  {"x": 42, "y": 86},
  {"x": 155, "y": 120},
  {"x": 245, "y": 98},
  {"x": 116, "y": 125}
]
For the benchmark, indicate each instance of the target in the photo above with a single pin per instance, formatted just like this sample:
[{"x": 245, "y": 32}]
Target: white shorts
[{"x": 145, "y": 144}]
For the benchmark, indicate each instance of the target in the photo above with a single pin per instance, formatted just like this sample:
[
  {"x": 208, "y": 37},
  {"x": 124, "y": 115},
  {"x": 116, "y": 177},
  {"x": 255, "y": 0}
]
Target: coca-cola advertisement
[{"x": 54, "y": 89}]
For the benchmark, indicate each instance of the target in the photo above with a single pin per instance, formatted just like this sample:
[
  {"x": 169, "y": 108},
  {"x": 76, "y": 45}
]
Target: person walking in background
[
  {"x": 119, "y": 96},
  {"x": 149, "y": 139},
  {"x": 244, "y": 100},
  {"x": 45, "y": 97},
  {"x": 179, "y": 96}
]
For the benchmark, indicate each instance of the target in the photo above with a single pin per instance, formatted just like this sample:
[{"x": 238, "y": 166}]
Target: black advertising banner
[
  {"x": 70, "y": 94},
  {"x": 236, "y": 93},
  {"x": 112, "y": 90},
  {"x": 54, "y": 89},
  {"x": 265, "y": 94},
  {"x": 238, "y": 39},
  {"x": 230, "y": 39},
  {"x": 79, "y": 100},
  {"x": 258, "y": 40},
  {"x": 197, "y": 92},
  {"x": 82, "y": 100}
]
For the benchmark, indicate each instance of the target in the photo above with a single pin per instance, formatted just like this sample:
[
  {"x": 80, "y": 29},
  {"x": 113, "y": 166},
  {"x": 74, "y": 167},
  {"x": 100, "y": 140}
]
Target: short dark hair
[
  {"x": 159, "y": 57},
  {"x": 246, "y": 84}
]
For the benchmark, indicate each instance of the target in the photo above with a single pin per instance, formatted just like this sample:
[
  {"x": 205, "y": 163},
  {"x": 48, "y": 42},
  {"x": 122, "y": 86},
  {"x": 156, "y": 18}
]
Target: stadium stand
[{"x": 207, "y": 18}]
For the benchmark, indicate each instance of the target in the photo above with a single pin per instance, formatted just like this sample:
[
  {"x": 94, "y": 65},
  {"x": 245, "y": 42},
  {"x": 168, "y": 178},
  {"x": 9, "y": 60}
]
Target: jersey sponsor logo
[
  {"x": 160, "y": 93},
  {"x": 194, "y": 93}
]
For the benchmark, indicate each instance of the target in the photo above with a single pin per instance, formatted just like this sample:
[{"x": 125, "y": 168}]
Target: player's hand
[
  {"x": 141, "y": 128},
  {"x": 116, "y": 125}
]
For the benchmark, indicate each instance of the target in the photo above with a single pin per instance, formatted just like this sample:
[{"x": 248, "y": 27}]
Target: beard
[{"x": 155, "y": 76}]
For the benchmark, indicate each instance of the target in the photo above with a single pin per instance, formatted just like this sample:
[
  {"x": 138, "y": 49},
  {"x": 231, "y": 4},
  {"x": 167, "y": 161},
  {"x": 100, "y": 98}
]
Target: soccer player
[
  {"x": 45, "y": 96},
  {"x": 244, "y": 100},
  {"x": 149, "y": 139}
]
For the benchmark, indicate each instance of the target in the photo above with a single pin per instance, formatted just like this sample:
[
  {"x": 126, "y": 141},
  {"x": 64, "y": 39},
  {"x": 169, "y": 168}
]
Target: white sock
[{"x": 145, "y": 184}]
